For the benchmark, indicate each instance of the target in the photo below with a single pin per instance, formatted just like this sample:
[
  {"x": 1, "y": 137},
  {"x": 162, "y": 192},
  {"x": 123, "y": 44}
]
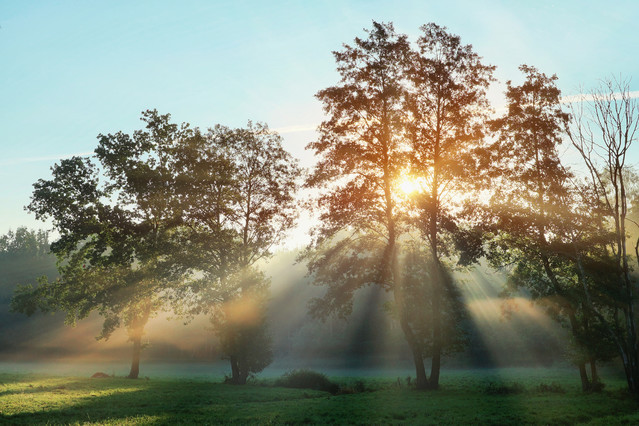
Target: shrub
[{"x": 307, "y": 379}]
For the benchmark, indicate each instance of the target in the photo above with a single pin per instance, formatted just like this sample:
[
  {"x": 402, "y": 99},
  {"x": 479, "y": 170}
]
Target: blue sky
[{"x": 70, "y": 70}]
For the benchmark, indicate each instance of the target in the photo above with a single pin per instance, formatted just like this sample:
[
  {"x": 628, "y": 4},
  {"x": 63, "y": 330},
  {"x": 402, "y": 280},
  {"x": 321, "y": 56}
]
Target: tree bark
[
  {"x": 433, "y": 382},
  {"x": 421, "y": 380},
  {"x": 239, "y": 370},
  {"x": 581, "y": 365},
  {"x": 235, "y": 369},
  {"x": 583, "y": 374},
  {"x": 136, "y": 331},
  {"x": 135, "y": 363}
]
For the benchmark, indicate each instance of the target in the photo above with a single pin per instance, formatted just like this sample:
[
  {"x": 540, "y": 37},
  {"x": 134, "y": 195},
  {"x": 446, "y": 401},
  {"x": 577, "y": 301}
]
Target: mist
[{"x": 500, "y": 333}]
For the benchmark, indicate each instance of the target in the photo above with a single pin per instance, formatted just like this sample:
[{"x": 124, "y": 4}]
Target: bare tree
[{"x": 605, "y": 125}]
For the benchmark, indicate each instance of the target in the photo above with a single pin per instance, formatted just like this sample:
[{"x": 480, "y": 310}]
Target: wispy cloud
[
  {"x": 22, "y": 160},
  {"x": 296, "y": 128},
  {"x": 589, "y": 97}
]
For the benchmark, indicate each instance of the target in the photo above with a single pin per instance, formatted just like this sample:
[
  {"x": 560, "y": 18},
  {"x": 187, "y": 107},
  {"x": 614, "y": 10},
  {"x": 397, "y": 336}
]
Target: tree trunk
[
  {"x": 433, "y": 382},
  {"x": 392, "y": 274},
  {"x": 585, "y": 383},
  {"x": 135, "y": 363},
  {"x": 244, "y": 371},
  {"x": 593, "y": 370},
  {"x": 632, "y": 369},
  {"x": 136, "y": 331},
  {"x": 235, "y": 370},
  {"x": 421, "y": 381},
  {"x": 574, "y": 326}
]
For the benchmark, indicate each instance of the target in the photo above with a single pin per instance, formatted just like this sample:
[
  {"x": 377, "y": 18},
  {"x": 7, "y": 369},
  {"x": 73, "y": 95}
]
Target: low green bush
[{"x": 307, "y": 379}]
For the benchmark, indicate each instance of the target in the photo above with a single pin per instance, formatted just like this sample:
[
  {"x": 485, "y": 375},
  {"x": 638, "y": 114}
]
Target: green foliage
[
  {"x": 116, "y": 229},
  {"x": 24, "y": 259},
  {"x": 241, "y": 326},
  {"x": 307, "y": 379},
  {"x": 167, "y": 216},
  {"x": 547, "y": 231},
  {"x": 24, "y": 243}
]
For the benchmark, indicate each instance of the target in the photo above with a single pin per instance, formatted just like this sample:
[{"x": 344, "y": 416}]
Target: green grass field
[{"x": 537, "y": 396}]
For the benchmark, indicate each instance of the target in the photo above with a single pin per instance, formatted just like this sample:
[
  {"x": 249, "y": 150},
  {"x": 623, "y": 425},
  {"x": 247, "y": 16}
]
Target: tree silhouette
[
  {"x": 392, "y": 108},
  {"x": 448, "y": 109},
  {"x": 362, "y": 153}
]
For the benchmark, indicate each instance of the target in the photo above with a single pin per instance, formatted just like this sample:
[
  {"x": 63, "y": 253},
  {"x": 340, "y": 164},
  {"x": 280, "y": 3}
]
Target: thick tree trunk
[
  {"x": 393, "y": 275},
  {"x": 135, "y": 363},
  {"x": 421, "y": 380},
  {"x": 574, "y": 324},
  {"x": 244, "y": 371},
  {"x": 239, "y": 370},
  {"x": 136, "y": 331},
  {"x": 585, "y": 383},
  {"x": 235, "y": 369}
]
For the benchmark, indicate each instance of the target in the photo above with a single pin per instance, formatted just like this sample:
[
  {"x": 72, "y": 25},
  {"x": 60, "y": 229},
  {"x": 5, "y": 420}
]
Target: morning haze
[{"x": 347, "y": 212}]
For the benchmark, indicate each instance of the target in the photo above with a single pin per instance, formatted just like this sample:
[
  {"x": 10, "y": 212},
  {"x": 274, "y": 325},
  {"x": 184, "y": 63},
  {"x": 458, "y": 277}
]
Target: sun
[{"x": 410, "y": 184}]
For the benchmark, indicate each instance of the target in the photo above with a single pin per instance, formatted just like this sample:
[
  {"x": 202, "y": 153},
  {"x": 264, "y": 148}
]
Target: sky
[{"x": 71, "y": 70}]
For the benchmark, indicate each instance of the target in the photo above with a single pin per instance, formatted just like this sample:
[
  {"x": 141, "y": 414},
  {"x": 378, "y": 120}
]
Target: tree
[
  {"x": 24, "y": 242},
  {"x": 550, "y": 229},
  {"x": 603, "y": 131},
  {"x": 448, "y": 109},
  {"x": 363, "y": 150},
  {"x": 531, "y": 190},
  {"x": 116, "y": 245},
  {"x": 248, "y": 209},
  {"x": 24, "y": 256},
  {"x": 176, "y": 217}
]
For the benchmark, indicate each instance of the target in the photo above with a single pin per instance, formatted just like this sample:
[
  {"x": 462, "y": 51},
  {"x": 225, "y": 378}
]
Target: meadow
[{"x": 507, "y": 396}]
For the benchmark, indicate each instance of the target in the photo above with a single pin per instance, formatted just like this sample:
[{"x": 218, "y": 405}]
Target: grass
[{"x": 463, "y": 399}]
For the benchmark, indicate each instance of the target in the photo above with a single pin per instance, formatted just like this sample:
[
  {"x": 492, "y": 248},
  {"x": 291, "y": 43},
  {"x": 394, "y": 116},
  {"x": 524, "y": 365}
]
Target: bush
[{"x": 307, "y": 379}]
